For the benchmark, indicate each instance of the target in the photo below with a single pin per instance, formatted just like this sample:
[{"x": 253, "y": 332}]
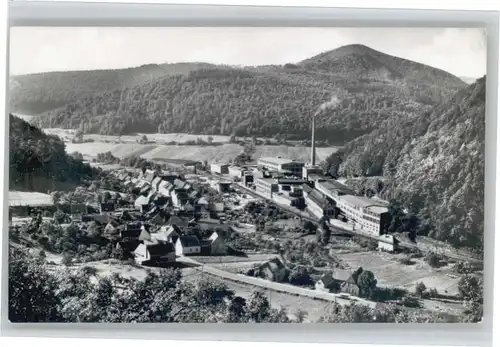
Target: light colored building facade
[
  {"x": 266, "y": 186},
  {"x": 282, "y": 165},
  {"x": 219, "y": 168},
  {"x": 370, "y": 215}
]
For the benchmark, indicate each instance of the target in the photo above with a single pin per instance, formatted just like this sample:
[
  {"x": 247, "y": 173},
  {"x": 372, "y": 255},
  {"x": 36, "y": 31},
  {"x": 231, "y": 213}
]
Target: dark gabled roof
[
  {"x": 131, "y": 233},
  {"x": 159, "y": 249},
  {"x": 274, "y": 265},
  {"x": 180, "y": 222},
  {"x": 342, "y": 275},
  {"x": 129, "y": 245},
  {"x": 327, "y": 280},
  {"x": 189, "y": 241},
  {"x": 181, "y": 194}
]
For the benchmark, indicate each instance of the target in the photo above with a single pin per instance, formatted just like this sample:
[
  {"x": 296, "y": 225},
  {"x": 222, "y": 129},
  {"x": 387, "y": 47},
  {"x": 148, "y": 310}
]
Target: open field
[
  {"x": 159, "y": 150},
  {"x": 18, "y": 198},
  {"x": 390, "y": 273}
]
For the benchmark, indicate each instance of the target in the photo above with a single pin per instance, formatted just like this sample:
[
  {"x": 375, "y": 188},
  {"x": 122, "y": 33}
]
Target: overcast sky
[{"x": 39, "y": 49}]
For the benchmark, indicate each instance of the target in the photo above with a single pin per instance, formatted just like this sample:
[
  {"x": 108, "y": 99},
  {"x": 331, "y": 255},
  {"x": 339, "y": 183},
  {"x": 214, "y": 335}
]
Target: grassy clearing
[
  {"x": 389, "y": 272},
  {"x": 18, "y": 198}
]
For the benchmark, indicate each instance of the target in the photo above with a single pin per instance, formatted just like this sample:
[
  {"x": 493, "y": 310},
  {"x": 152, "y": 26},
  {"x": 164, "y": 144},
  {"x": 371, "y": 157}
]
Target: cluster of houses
[
  {"x": 165, "y": 218},
  {"x": 339, "y": 281}
]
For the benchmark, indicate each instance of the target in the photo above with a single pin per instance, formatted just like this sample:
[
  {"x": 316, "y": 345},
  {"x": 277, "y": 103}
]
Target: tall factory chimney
[{"x": 313, "y": 142}]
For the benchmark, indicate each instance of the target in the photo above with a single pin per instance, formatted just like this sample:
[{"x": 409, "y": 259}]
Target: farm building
[
  {"x": 345, "y": 282},
  {"x": 219, "y": 168},
  {"x": 186, "y": 245},
  {"x": 217, "y": 245},
  {"x": 325, "y": 284},
  {"x": 273, "y": 270},
  {"x": 154, "y": 253}
]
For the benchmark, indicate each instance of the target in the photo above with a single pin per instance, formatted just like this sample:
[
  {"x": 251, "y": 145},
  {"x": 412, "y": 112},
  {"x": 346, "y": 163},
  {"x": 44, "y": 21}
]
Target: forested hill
[
  {"x": 38, "y": 160},
  {"x": 264, "y": 101},
  {"x": 37, "y": 93},
  {"x": 435, "y": 164}
]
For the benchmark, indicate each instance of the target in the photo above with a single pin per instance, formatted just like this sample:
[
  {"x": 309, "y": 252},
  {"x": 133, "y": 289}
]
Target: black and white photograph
[{"x": 246, "y": 174}]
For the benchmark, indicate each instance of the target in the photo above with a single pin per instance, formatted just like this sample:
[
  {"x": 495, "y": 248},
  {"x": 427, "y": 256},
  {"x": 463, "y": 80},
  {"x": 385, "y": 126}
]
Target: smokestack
[{"x": 313, "y": 142}]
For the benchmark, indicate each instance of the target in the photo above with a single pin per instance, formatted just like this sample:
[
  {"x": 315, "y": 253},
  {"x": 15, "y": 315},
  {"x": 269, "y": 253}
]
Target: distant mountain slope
[
  {"x": 36, "y": 93},
  {"x": 468, "y": 80},
  {"x": 264, "y": 101},
  {"x": 362, "y": 61},
  {"x": 38, "y": 161},
  {"x": 435, "y": 162}
]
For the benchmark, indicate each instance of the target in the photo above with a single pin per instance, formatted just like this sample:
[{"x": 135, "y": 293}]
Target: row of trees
[{"x": 243, "y": 102}]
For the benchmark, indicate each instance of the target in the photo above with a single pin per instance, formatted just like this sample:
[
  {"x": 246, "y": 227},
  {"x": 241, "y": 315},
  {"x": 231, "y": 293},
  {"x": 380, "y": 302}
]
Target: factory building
[
  {"x": 219, "y": 168},
  {"x": 282, "y": 165},
  {"x": 266, "y": 186},
  {"x": 370, "y": 215}
]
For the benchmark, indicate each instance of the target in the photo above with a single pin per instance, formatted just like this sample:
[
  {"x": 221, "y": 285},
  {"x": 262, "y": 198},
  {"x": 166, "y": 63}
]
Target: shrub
[
  {"x": 407, "y": 261},
  {"x": 420, "y": 288},
  {"x": 433, "y": 260}
]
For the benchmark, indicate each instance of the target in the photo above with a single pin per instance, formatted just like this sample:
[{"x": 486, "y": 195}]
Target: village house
[
  {"x": 217, "y": 244},
  {"x": 273, "y": 270},
  {"x": 165, "y": 188},
  {"x": 138, "y": 234},
  {"x": 179, "y": 198},
  {"x": 141, "y": 202},
  {"x": 154, "y": 253},
  {"x": 325, "y": 284},
  {"x": 78, "y": 211},
  {"x": 345, "y": 282},
  {"x": 186, "y": 245},
  {"x": 156, "y": 183},
  {"x": 167, "y": 233}
]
